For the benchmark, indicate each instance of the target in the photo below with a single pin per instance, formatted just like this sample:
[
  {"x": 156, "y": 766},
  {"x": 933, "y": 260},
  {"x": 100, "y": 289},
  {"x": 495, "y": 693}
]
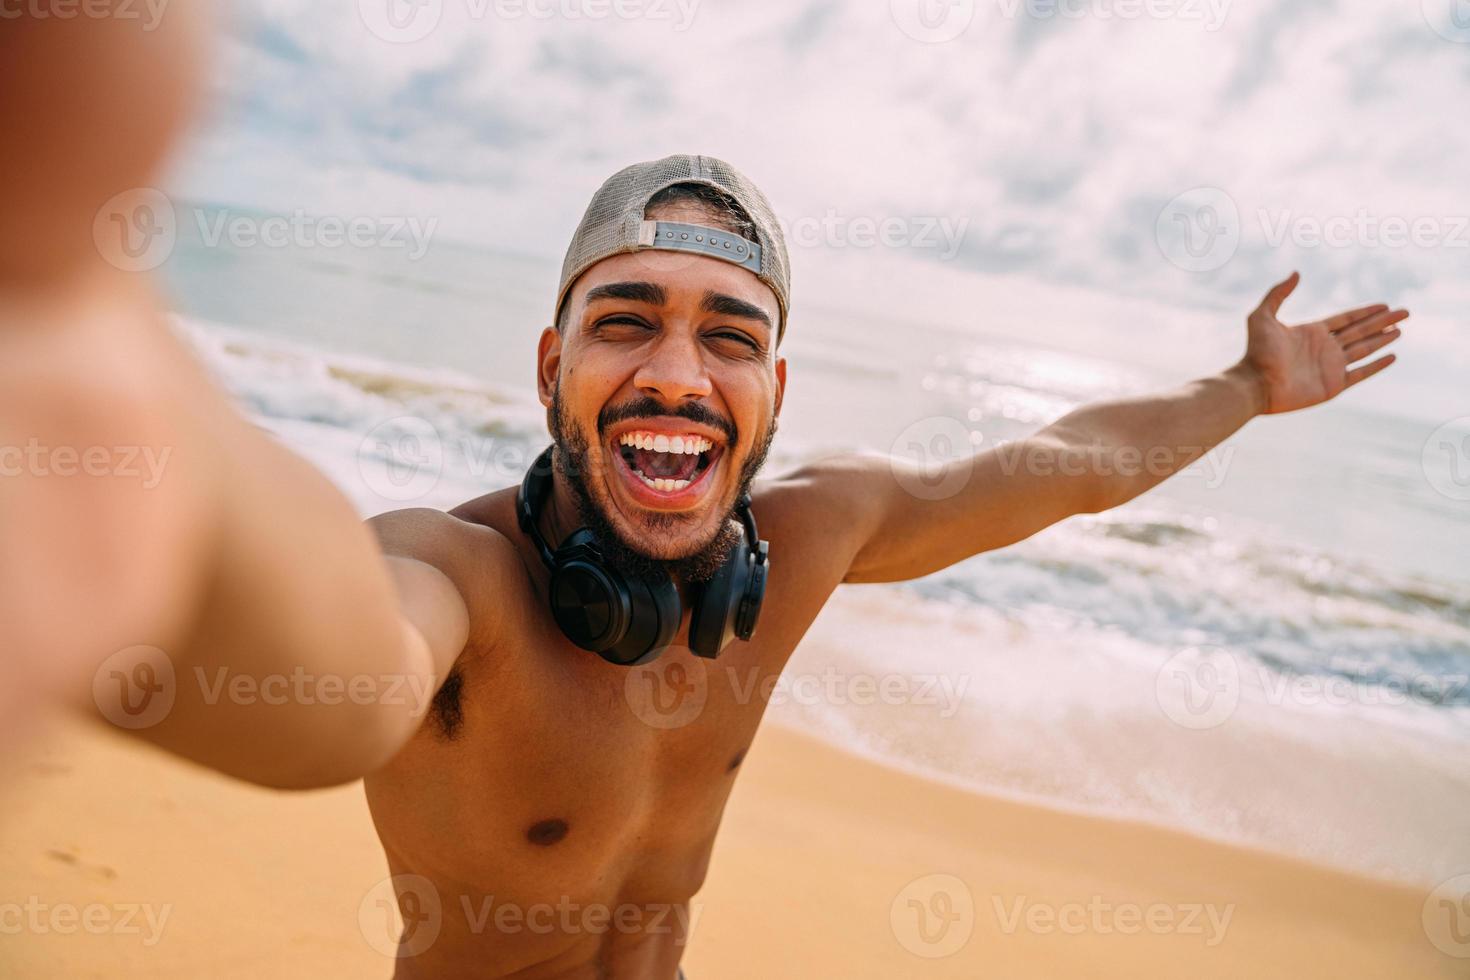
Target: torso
[{"x": 564, "y": 808}]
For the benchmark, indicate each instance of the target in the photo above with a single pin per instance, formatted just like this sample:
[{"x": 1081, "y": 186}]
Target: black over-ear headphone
[{"x": 627, "y": 621}]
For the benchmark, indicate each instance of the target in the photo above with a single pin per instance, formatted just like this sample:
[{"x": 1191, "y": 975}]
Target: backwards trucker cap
[{"x": 614, "y": 224}]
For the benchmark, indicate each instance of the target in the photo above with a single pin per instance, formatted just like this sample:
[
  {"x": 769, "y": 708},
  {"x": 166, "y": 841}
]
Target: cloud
[{"x": 1055, "y": 130}]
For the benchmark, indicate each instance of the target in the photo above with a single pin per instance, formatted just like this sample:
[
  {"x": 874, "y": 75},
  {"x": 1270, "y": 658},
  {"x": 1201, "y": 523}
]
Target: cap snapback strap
[{"x": 705, "y": 241}]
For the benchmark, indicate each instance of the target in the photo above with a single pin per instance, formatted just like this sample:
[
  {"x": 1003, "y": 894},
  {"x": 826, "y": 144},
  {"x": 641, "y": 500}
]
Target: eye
[
  {"x": 736, "y": 336},
  {"x": 622, "y": 321}
]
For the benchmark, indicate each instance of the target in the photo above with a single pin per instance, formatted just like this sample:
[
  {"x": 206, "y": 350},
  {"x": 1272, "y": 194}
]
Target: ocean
[{"x": 1272, "y": 648}]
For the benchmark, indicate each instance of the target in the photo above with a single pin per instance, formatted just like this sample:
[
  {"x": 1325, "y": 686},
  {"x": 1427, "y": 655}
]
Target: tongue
[{"x": 667, "y": 466}]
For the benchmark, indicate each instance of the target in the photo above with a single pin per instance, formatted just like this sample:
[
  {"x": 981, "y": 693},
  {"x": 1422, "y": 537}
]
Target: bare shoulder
[
  {"x": 441, "y": 538},
  {"x": 469, "y": 545},
  {"x": 824, "y": 510}
]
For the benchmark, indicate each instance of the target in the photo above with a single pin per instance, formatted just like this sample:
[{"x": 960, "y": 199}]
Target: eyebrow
[
  {"x": 654, "y": 295},
  {"x": 722, "y": 305},
  {"x": 639, "y": 292}
]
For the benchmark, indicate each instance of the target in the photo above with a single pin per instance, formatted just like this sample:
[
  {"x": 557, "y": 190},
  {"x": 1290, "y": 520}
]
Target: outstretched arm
[
  {"x": 230, "y": 584},
  {"x": 911, "y": 522}
]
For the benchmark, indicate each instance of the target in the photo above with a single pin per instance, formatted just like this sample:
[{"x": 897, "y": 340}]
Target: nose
[{"x": 675, "y": 372}]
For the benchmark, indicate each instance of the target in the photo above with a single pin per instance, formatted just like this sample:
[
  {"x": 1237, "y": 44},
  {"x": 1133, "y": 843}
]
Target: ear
[
  {"x": 780, "y": 383},
  {"x": 548, "y": 364}
]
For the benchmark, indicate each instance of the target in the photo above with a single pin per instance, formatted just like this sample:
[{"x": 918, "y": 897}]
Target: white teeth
[
  {"x": 663, "y": 485},
  {"x": 689, "y": 444}
]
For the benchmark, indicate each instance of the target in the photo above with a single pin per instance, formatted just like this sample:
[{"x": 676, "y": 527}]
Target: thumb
[{"x": 1272, "y": 303}]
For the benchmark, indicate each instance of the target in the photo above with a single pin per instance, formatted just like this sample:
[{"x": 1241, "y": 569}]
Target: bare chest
[{"x": 586, "y": 782}]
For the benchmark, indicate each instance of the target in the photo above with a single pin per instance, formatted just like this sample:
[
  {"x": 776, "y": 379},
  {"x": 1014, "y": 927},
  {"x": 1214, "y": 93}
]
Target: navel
[
  {"x": 547, "y": 832},
  {"x": 739, "y": 758}
]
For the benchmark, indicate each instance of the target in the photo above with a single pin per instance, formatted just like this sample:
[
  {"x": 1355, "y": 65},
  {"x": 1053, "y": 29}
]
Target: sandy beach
[{"x": 121, "y": 862}]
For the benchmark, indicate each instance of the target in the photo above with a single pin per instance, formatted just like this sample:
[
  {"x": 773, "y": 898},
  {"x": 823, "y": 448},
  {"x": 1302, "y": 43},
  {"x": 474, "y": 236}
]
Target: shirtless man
[{"x": 546, "y": 818}]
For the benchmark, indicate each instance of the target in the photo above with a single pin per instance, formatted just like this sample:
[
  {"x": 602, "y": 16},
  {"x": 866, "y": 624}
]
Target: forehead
[{"x": 685, "y": 277}]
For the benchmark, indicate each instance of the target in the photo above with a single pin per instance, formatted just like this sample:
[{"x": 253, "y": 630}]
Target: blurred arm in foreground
[{"x": 137, "y": 508}]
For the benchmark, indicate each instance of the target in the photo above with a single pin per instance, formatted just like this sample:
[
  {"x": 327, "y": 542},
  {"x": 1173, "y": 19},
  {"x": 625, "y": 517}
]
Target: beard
[{"x": 702, "y": 561}]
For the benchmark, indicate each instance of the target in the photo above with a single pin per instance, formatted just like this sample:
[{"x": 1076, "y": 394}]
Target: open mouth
[{"x": 665, "y": 464}]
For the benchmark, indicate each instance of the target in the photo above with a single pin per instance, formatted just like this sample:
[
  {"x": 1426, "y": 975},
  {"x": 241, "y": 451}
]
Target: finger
[
  {"x": 1361, "y": 349},
  {"x": 1368, "y": 370},
  {"x": 1272, "y": 303},
  {"x": 1336, "y": 323},
  {"x": 1370, "y": 326}
]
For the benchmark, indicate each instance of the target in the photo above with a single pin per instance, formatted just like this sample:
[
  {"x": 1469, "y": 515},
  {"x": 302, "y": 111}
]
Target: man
[
  {"x": 543, "y": 779},
  {"x": 546, "y": 775}
]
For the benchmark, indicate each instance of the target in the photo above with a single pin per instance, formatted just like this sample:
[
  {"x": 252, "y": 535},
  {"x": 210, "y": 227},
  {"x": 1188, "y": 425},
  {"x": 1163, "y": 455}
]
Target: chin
[{"x": 652, "y": 543}]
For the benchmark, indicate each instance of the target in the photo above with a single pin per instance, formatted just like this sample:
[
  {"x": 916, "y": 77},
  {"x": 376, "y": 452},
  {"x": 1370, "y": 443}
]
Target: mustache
[{"x": 648, "y": 408}]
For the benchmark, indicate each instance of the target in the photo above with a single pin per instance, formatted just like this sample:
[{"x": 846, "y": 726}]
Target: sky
[{"x": 1123, "y": 176}]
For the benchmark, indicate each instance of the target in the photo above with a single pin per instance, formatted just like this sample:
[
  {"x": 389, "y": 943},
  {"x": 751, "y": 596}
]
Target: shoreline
[{"x": 814, "y": 874}]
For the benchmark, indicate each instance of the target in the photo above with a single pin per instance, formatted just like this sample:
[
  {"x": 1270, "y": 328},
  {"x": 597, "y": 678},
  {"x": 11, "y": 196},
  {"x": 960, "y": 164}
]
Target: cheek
[
  {"x": 751, "y": 402},
  {"x": 586, "y": 389}
]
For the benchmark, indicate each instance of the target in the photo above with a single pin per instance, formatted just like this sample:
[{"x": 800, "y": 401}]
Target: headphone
[{"x": 627, "y": 621}]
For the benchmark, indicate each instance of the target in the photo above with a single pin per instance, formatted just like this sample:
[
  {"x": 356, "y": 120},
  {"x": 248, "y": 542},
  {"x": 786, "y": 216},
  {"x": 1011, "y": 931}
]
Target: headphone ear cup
[
  {"x": 717, "y": 603},
  {"x": 592, "y": 609},
  {"x": 755, "y": 594},
  {"x": 651, "y": 627}
]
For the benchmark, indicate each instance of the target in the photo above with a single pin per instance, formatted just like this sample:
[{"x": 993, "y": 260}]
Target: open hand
[{"x": 1309, "y": 363}]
